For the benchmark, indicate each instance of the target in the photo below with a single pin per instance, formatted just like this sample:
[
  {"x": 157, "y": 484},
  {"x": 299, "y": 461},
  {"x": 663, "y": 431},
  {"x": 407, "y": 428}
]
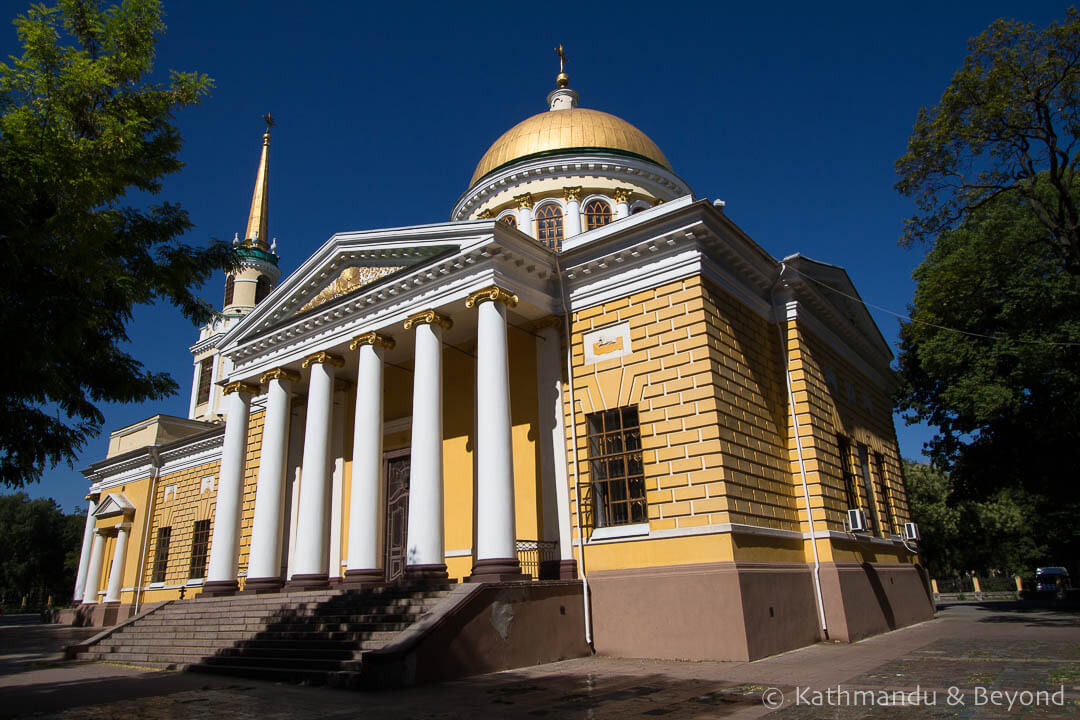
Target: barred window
[
  {"x": 868, "y": 487},
  {"x": 509, "y": 219},
  {"x": 597, "y": 214},
  {"x": 262, "y": 288},
  {"x": 161, "y": 554},
  {"x": 879, "y": 463},
  {"x": 206, "y": 371},
  {"x": 549, "y": 226},
  {"x": 200, "y": 546},
  {"x": 616, "y": 471},
  {"x": 845, "y": 470},
  {"x": 230, "y": 285}
]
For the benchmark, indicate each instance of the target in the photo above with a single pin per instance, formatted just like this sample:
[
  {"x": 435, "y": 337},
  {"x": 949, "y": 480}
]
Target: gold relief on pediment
[{"x": 349, "y": 279}]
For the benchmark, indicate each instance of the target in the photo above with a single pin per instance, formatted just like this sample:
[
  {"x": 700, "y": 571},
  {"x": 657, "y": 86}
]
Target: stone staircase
[{"x": 316, "y": 637}]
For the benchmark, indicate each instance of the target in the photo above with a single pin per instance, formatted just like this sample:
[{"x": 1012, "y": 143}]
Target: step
[
  {"x": 264, "y": 662},
  {"x": 291, "y": 675},
  {"x": 284, "y": 653}
]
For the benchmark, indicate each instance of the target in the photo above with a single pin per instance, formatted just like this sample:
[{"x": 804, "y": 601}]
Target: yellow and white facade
[{"x": 587, "y": 370}]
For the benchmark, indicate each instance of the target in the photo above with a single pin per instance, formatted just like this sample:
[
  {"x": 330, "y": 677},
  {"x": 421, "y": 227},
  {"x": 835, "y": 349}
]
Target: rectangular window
[
  {"x": 868, "y": 486},
  {"x": 161, "y": 554},
  {"x": 616, "y": 470},
  {"x": 200, "y": 545},
  {"x": 844, "y": 447},
  {"x": 206, "y": 371},
  {"x": 879, "y": 463}
]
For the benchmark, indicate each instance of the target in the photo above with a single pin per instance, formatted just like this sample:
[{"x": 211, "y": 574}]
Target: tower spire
[
  {"x": 258, "y": 224},
  {"x": 562, "y": 97}
]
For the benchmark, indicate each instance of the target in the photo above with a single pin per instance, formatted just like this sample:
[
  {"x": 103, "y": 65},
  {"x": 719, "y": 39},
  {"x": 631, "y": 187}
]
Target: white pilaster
[
  {"x": 496, "y": 548},
  {"x": 84, "y": 555},
  {"x": 93, "y": 574},
  {"x": 264, "y": 566},
  {"x": 195, "y": 377},
  {"x": 367, "y": 499},
  {"x": 312, "y": 533},
  {"x": 549, "y": 363},
  {"x": 221, "y": 574},
  {"x": 573, "y": 211},
  {"x": 425, "y": 533},
  {"x": 622, "y": 203},
  {"x": 116, "y": 570},
  {"x": 337, "y": 484},
  {"x": 212, "y": 402}
]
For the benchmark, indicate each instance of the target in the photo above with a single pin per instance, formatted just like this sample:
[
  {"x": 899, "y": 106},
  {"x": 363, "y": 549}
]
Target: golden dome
[{"x": 575, "y": 128}]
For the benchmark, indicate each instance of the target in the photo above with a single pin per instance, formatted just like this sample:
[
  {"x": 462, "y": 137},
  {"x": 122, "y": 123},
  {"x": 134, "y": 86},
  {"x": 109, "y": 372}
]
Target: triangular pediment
[{"x": 114, "y": 505}]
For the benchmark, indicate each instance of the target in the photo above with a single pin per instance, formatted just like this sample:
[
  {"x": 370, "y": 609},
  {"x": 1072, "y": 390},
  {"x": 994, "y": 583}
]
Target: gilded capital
[
  {"x": 323, "y": 357},
  {"x": 428, "y": 317},
  {"x": 279, "y": 374},
  {"x": 572, "y": 194},
  {"x": 486, "y": 214},
  {"x": 239, "y": 387},
  {"x": 621, "y": 195},
  {"x": 492, "y": 292},
  {"x": 525, "y": 200},
  {"x": 372, "y": 338}
]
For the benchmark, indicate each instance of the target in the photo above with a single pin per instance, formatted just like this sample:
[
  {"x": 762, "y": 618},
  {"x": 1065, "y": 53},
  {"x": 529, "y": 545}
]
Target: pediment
[
  {"x": 351, "y": 278},
  {"x": 114, "y": 505}
]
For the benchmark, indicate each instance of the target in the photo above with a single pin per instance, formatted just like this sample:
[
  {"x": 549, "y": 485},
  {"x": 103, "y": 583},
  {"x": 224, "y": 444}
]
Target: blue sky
[{"x": 793, "y": 113}]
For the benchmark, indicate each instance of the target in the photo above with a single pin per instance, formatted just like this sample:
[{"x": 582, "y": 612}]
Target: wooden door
[{"x": 397, "y": 516}]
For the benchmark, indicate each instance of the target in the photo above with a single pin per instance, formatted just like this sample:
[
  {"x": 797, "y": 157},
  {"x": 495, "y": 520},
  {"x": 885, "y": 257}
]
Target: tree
[
  {"x": 992, "y": 358},
  {"x": 1008, "y": 124},
  {"x": 85, "y": 138},
  {"x": 37, "y": 545}
]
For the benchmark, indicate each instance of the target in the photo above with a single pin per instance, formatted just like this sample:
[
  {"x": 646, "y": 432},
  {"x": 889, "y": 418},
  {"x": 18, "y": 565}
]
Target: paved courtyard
[{"x": 950, "y": 667}]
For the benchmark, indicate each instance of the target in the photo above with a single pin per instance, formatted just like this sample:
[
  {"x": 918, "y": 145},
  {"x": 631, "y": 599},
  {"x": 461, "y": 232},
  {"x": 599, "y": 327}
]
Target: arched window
[
  {"x": 230, "y": 285},
  {"x": 509, "y": 219},
  {"x": 262, "y": 288},
  {"x": 597, "y": 213},
  {"x": 549, "y": 226}
]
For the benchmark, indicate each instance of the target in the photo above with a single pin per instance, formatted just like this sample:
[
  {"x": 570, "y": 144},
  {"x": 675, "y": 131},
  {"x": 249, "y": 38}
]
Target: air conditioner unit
[
  {"x": 856, "y": 520},
  {"x": 911, "y": 532}
]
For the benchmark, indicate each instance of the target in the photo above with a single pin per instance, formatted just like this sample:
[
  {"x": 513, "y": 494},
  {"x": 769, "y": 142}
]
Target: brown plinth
[
  {"x": 218, "y": 588},
  {"x": 363, "y": 579},
  {"x": 494, "y": 570},
  {"x": 434, "y": 573},
  {"x": 308, "y": 581},
  {"x": 258, "y": 586},
  {"x": 558, "y": 569}
]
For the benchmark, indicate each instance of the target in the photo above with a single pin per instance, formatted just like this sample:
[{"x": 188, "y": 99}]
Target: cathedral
[{"x": 588, "y": 377}]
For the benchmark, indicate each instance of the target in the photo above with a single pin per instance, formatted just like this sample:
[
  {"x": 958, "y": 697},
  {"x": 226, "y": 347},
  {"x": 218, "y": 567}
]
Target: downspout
[
  {"x": 802, "y": 463},
  {"x": 155, "y": 459},
  {"x": 573, "y": 452}
]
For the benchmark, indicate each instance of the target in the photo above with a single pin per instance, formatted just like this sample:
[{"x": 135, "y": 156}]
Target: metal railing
[{"x": 531, "y": 553}]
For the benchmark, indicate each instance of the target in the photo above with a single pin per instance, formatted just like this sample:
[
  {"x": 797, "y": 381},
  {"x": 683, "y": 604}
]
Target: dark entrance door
[{"x": 397, "y": 515}]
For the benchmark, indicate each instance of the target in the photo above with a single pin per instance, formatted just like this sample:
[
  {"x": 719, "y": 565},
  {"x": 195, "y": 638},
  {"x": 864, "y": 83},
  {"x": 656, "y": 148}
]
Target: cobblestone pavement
[{"x": 945, "y": 668}]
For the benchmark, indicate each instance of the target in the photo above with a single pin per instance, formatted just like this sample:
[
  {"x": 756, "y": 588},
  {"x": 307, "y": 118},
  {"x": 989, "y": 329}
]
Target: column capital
[
  {"x": 372, "y": 338},
  {"x": 525, "y": 200},
  {"x": 322, "y": 357},
  {"x": 279, "y": 374},
  {"x": 572, "y": 194},
  {"x": 428, "y": 317},
  {"x": 486, "y": 214},
  {"x": 492, "y": 292},
  {"x": 239, "y": 387},
  {"x": 621, "y": 195}
]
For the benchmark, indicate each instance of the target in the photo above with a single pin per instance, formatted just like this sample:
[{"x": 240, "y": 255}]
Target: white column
[
  {"x": 221, "y": 575},
  {"x": 84, "y": 555},
  {"x": 622, "y": 202},
  {"x": 368, "y": 495},
  {"x": 496, "y": 550},
  {"x": 549, "y": 364},
  {"x": 572, "y": 195},
  {"x": 312, "y": 532},
  {"x": 525, "y": 224},
  {"x": 337, "y": 484},
  {"x": 116, "y": 571},
  {"x": 93, "y": 574},
  {"x": 194, "y": 390},
  {"x": 426, "y": 552},
  {"x": 264, "y": 565}
]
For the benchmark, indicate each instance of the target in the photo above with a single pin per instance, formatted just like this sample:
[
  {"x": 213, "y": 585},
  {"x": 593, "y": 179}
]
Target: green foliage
[
  {"x": 39, "y": 550},
  {"x": 82, "y": 127},
  {"x": 1003, "y": 385},
  {"x": 1008, "y": 124}
]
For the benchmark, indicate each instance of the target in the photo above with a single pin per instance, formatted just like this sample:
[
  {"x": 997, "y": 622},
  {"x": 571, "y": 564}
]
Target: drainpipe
[
  {"x": 155, "y": 460},
  {"x": 573, "y": 451},
  {"x": 802, "y": 464}
]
